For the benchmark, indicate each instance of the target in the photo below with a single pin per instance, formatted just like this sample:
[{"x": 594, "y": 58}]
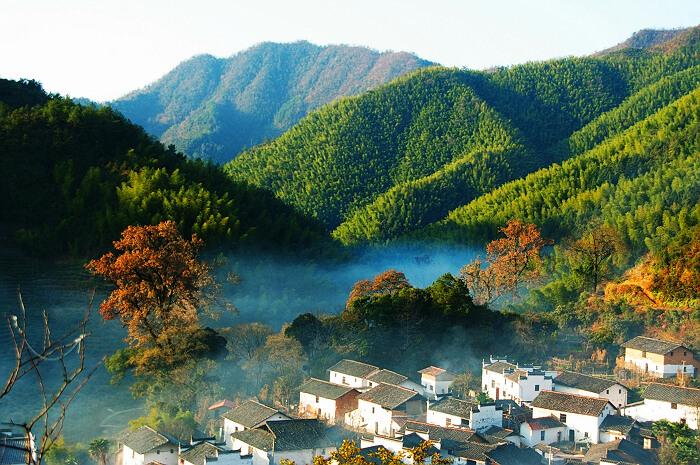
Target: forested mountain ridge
[
  {"x": 391, "y": 161},
  {"x": 211, "y": 108},
  {"x": 75, "y": 176}
]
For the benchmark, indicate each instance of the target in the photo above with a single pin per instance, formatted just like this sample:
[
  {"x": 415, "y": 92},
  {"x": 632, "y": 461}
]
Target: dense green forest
[
  {"x": 211, "y": 108},
  {"x": 423, "y": 155},
  {"x": 75, "y": 176}
]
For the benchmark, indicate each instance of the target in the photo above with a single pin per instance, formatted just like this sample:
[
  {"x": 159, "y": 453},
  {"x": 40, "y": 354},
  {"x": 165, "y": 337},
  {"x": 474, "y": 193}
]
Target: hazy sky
[{"x": 101, "y": 49}]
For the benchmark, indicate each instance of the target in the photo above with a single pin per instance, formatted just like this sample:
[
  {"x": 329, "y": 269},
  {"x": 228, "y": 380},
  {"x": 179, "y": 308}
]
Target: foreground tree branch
[{"x": 56, "y": 394}]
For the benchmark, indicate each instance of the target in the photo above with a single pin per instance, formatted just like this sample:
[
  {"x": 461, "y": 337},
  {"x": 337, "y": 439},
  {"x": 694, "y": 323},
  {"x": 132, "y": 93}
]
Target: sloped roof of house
[
  {"x": 618, "y": 423},
  {"x": 286, "y": 435},
  {"x": 387, "y": 377},
  {"x": 471, "y": 450},
  {"x": 437, "y": 371},
  {"x": 456, "y": 407},
  {"x": 656, "y": 346},
  {"x": 621, "y": 451},
  {"x": 500, "y": 367},
  {"x": 499, "y": 432},
  {"x": 317, "y": 387},
  {"x": 389, "y": 396},
  {"x": 510, "y": 454},
  {"x": 145, "y": 439},
  {"x": 300, "y": 434},
  {"x": 199, "y": 452},
  {"x": 14, "y": 449},
  {"x": 443, "y": 433},
  {"x": 675, "y": 394},
  {"x": 353, "y": 368},
  {"x": 544, "y": 423},
  {"x": 250, "y": 413},
  {"x": 571, "y": 403},
  {"x": 584, "y": 382}
]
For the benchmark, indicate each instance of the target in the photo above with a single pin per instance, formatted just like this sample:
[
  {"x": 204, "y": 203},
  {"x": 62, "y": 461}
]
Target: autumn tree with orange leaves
[
  {"x": 511, "y": 261},
  {"x": 384, "y": 283},
  {"x": 161, "y": 289}
]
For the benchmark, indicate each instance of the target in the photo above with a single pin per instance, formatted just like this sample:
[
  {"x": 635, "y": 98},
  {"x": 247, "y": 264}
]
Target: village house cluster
[{"x": 529, "y": 415}]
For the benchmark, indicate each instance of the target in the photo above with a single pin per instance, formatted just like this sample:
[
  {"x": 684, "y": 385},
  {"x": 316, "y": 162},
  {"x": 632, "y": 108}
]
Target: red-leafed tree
[
  {"x": 384, "y": 283},
  {"x": 161, "y": 288}
]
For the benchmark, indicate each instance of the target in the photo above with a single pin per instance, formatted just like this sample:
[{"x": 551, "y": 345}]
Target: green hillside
[
  {"x": 75, "y": 176},
  {"x": 212, "y": 108},
  {"x": 378, "y": 166}
]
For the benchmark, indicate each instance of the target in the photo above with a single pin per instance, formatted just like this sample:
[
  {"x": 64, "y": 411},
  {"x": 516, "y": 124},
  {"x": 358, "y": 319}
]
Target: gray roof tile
[
  {"x": 317, "y": 387},
  {"x": 353, "y": 368},
  {"x": 456, "y": 407},
  {"x": 500, "y": 367},
  {"x": 584, "y": 382},
  {"x": 145, "y": 439},
  {"x": 387, "y": 377},
  {"x": 656, "y": 346},
  {"x": 571, "y": 403},
  {"x": 250, "y": 413},
  {"x": 675, "y": 394},
  {"x": 389, "y": 396}
]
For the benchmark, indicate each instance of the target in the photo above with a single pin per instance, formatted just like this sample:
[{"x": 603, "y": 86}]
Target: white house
[
  {"x": 379, "y": 408},
  {"x": 503, "y": 380},
  {"x": 205, "y": 452},
  {"x": 547, "y": 430},
  {"x": 146, "y": 445},
  {"x": 351, "y": 373},
  {"x": 326, "y": 401},
  {"x": 296, "y": 440},
  {"x": 436, "y": 381},
  {"x": 660, "y": 358},
  {"x": 672, "y": 403},
  {"x": 505, "y": 453},
  {"x": 584, "y": 385},
  {"x": 616, "y": 427},
  {"x": 462, "y": 413},
  {"x": 250, "y": 414},
  {"x": 390, "y": 377},
  {"x": 582, "y": 415}
]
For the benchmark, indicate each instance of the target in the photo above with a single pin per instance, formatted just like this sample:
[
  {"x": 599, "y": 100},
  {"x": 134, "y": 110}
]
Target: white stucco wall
[
  {"x": 440, "y": 418},
  {"x": 617, "y": 394},
  {"x": 531, "y": 438},
  {"x": 161, "y": 454},
  {"x": 654, "y": 410},
  {"x": 324, "y": 408},
  {"x": 375, "y": 419},
  {"x": 346, "y": 380},
  {"x": 487, "y": 416},
  {"x": 581, "y": 424}
]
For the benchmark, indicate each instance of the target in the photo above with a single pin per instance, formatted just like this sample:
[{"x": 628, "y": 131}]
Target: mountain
[
  {"x": 645, "y": 39},
  {"x": 75, "y": 176},
  {"x": 425, "y": 156},
  {"x": 211, "y": 108}
]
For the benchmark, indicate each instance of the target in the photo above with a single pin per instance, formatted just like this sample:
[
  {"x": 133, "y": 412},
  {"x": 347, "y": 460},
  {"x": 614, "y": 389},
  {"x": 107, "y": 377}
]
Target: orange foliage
[{"x": 387, "y": 282}]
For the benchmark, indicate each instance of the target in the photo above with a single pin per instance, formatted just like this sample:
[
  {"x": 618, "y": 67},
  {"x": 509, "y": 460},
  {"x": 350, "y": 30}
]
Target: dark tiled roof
[
  {"x": 456, "y": 407},
  {"x": 300, "y": 435},
  {"x": 516, "y": 375},
  {"x": 14, "y": 449},
  {"x": 353, "y": 368},
  {"x": 146, "y": 438},
  {"x": 387, "y": 377},
  {"x": 250, "y": 413},
  {"x": 675, "y": 394},
  {"x": 435, "y": 371},
  {"x": 498, "y": 432},
  {"x": 572, "y": 403},
  {"x": 317, "y": 387},
  {"x": 648, "y": 344},
  {"x": 443, "y": 433},
  {"x": 584, "y": 382},
  {"x": 472, "y": 451},
  {"x": 621, "y": 451},
  {"x": 617, "y": 423},
  {"x": 198, "y": 453},
  {"x": 389, "y": 396},
  {"x": 510, "y": 454},
  {"x": 500, "y": 367},
  {"x": 544, "y": 423},
  {"x": 509, "y": 406},
  {"x": 256, "y": 437}
]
